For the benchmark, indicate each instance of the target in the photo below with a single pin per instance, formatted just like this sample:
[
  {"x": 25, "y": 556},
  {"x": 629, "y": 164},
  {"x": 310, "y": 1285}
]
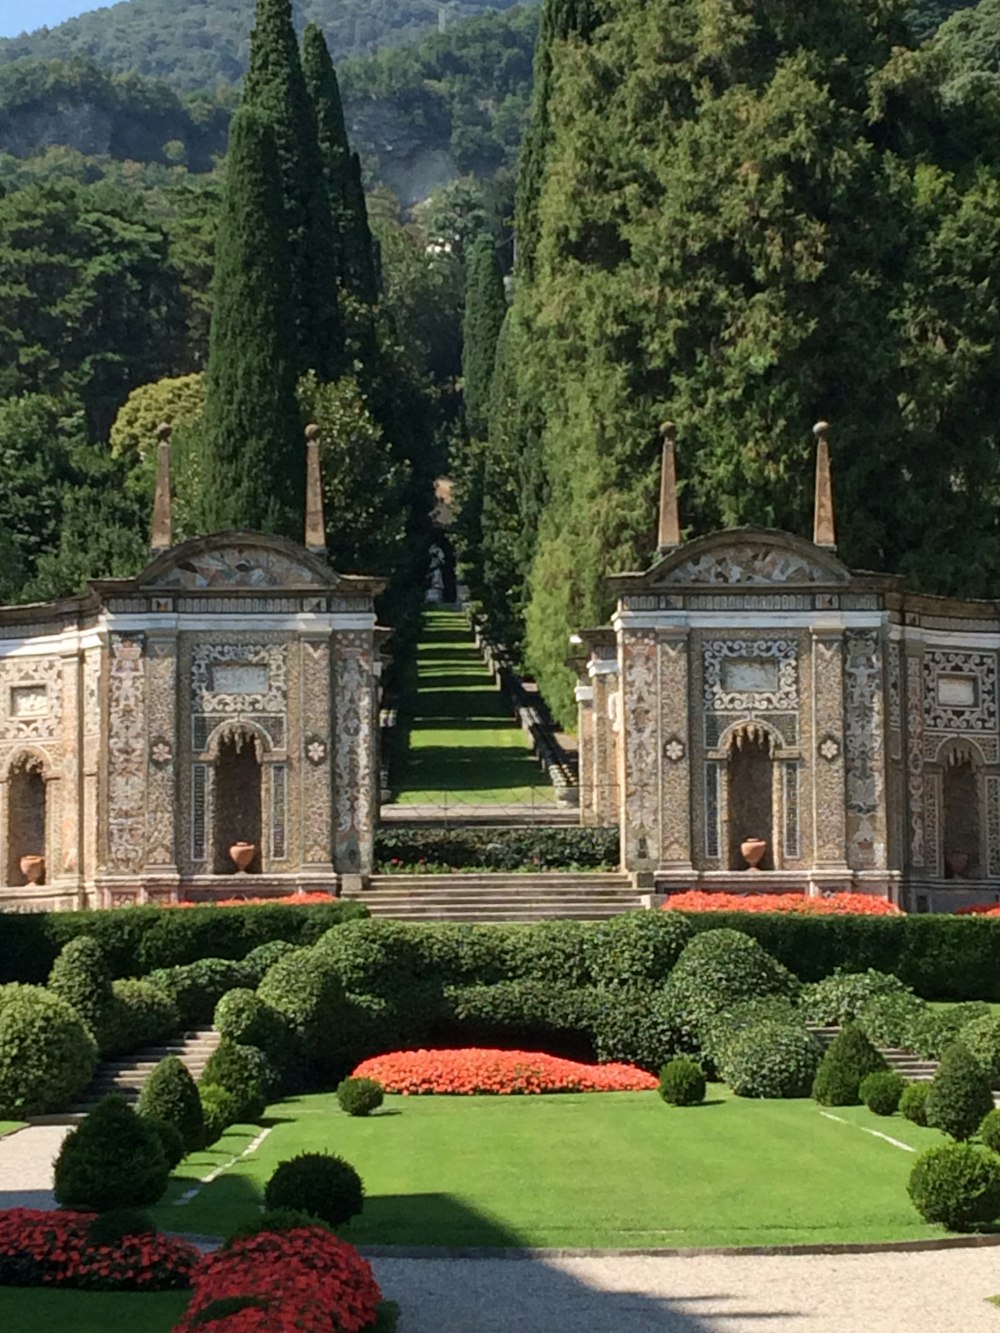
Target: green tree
[
  {"x": 485, "y": 308},
  {"x": 252, "y": 451},
  {"x": 275, "y": 87}
]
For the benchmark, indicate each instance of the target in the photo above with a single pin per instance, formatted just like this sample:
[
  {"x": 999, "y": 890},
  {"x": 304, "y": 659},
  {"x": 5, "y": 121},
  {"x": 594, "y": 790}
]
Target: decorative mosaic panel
[
  {"x": 239, "y": 567},
  {"x": 272, "y": 657},
  {"x": 791, "y": 810},
  {"x": 751, "y": 675},
  {"x": 933, "y": 806},
  {"x": 713, "y": 809},
  {"x": 315, "y": 772},
  {"x": 640, "y": 730},
  {"x": 31, "y": 698},
  {"x": 279, "y": 812},
  {"x": 992, "y": 826},
  {"x": 161, "y": 729},
  {"x": 356, "y": 774},
  {"x": 199, "y": 811},
  {"x": 960, "y": 691},
  {"x": 749, "y": 562},
  {"x": 675, "y": 778},
  {"x": 828, "y": 776},
  {"x": 203, "y": 724},
  {"x": 864, "y": 753}
]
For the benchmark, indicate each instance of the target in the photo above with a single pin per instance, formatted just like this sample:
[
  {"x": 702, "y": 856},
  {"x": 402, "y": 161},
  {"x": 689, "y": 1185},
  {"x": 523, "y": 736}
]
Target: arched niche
[
  {"x": 750, "y": 795},
  {"x": 961, "y": 812},
  {"x": 237, "y": 796},
  {"x": 27, "y": 816}
]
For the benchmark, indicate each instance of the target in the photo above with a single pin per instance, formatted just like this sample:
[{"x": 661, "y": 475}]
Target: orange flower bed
[
  {"x": 836, "y": 904},
  {"x": 505, "y": 1073},
  {"x": 295, "y": 899},
  {"x": 978, "y": 909}
]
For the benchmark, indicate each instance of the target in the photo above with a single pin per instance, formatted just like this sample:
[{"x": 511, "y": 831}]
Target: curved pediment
[
  {"x": 234, "y": 560},
  {"x": 748, "y": 557}
]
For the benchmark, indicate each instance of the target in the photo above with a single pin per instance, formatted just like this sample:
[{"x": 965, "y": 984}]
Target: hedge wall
[
  {"x": 941, "y": 957},
  {"x": 509, "y": 849},
  {"x": 138, "y": 939}
]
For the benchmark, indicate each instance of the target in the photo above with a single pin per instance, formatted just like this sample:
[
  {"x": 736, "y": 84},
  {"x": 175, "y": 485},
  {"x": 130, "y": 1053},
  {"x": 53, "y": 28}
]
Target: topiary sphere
[
  {"x": 989, "y": 1130},
  {"x": 771, "y": 1059},
  {"x": 682, "y": 1082},
  {"x": 171, "y": 1094},
  {"x": 360, "y": 1096},
  {"x": 113, "y": 1159},
  {"x": 243, "y": 1017},
  {"x": 881, "y": 1092},
  {"x": 80, "y": 976},
  {"x": 913, "y": 1102},
  {"x": 47, "y": 1054},
  {"x": 958, "y": 1185},
  {"x": 318, "y": 1183}
]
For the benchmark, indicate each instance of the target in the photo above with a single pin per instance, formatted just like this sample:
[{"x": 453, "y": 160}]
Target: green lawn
[
  {"x": 8, "y": 1126},
  {"x": 465, "y": 748},
  {"x": 610, "y": 1169},
  {"x": 39, "y": 1310}
]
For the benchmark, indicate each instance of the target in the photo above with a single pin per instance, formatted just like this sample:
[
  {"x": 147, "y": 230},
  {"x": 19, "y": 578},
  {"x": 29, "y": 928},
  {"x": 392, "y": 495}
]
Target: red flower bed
[
  {"x": 53, "y": 1249},
  {"x": 836, "y": 904},
  {"x": 979, "y": 909},
  {"x": 299, "y": 1281},
  {"x": 475, "y": 1070},
  {"x": 295, "y": 899}
]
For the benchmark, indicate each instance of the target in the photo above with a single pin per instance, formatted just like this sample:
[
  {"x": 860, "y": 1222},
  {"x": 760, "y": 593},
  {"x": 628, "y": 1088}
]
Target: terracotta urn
[
  {"x": 33, "y": 868},
  {"x": 242, "y": 854},
  {"x": 957, "y": 863},
  {"x": 752, "y": 850}
]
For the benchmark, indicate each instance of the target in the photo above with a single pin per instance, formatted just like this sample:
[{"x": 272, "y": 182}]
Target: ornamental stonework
[
  {"x": 240, "y": 677},
  {"x": 31, "y": 702},
  {"x": 828, "y": 777},
  {"x": 915, "y": 759},
  {"x": 865, "y": 757},
  {"x": 675, "y": 775},
  {"x": 748, "y": 563},
  {"x": 752, "y": 675},
  {"x": 161, "y": 727},
  {"x": 355, "y": 769},
  {"x": 126, "y": 824},
  {"x": 316, "y": 775},
  {"x": 639, "y": 732}
]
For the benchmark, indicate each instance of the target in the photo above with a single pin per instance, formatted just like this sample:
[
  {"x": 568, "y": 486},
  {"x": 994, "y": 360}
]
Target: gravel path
[
  {"x": 26, "y": 1159},
  {"x": 935, "y": 1292}
]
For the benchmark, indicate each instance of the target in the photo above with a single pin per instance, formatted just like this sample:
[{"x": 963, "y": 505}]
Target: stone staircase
[
  {"x": 581, "y": 896},
  {"x": 911, "y": 1066},
  {"x": 125, "y": 1074}
]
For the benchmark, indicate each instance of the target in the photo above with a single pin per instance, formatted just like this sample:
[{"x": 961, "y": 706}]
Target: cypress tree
[
  {"x": 485, "y": 308},
  {"x": 252, "y": 456},
  {"x": 275, "y": 87},
  {"x": 342, "y": 169}
]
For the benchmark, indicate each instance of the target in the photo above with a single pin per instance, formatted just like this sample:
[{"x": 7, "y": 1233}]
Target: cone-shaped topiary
[
  {"x": 958, "y": 1185},
  {"x": 318, "y": 1183},
  {"x": 913, "y": 1102},
  {"x": 849, "y": 1057},
  {"x": 960, "y": 1093},
  {"x": 171, "y": 1094},
  {"x": 113, "y": 1159}
]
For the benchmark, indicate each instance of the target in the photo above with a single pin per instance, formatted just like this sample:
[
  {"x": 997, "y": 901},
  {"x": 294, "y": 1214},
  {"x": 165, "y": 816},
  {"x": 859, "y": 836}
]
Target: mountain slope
[{"x": 194, "y": 44}]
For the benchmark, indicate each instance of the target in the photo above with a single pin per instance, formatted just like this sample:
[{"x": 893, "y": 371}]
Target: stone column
[
  {"x": 314, "y": 768},
  {"x": 355, "y": 770},
  {"x": 162, "y": 796},
  {"x": 585, "y": 734},
  {"x": 675, "y": 756},
  {"x": 829, "y": 813},
  {"x": 638, "y": 757},
  {"x": 124, "y": 805}
]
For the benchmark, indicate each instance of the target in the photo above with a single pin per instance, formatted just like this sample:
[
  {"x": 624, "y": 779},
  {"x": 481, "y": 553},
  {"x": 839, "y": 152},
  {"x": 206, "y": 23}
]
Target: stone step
[{"x": 125, "y": 1074}]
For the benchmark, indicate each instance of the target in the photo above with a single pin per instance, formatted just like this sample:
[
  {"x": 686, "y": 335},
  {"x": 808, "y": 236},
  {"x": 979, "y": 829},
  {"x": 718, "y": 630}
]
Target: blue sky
[{"x": 17, "y": 16}]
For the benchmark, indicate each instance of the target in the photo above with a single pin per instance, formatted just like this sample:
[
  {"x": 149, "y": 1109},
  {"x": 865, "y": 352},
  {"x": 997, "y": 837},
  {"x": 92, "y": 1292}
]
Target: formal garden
[{"x": 380, "y": 1083}]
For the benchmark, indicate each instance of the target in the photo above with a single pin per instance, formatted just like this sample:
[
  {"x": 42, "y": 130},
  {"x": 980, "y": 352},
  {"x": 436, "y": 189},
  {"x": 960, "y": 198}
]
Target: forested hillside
[
  {"x": 745, "y": 218},
  {"x": 195, "y": 44}
]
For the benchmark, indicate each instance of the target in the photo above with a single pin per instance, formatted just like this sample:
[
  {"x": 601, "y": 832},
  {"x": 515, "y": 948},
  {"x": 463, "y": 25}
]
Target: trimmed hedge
[
  {"x": 139, "y": 939},
  {"x": 841, "y": 998},
  {"x": 140, "y": 1014},
  {"x": 772, "y": 1059},
  {"x": 80, "y": 977},
  {"x": 508, "y": 849},
  {"x": 47, "y": 1054},
  {"x": 846, "y": 1062}
]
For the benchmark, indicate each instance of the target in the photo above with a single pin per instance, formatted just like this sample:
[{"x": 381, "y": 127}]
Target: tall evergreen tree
[
  {"x": 352, "y": 237},
  {"x": 253, "y": 461},
  {"x": 276, "y": 88},
  {"x": 485, "y": 308}
]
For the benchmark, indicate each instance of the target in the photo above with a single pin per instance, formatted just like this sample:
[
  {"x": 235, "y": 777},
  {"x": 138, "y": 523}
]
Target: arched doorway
[
  {"x": 237, "y": 800},
  {"x": 750, "y": 784},
  {"x": 25, "y": 816},
  {"x": 960, "y": 789}
]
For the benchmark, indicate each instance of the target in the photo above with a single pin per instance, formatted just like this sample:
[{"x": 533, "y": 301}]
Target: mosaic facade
[
  {"x": 228, "y": 693},
  {"x": 751, "y": 686}
]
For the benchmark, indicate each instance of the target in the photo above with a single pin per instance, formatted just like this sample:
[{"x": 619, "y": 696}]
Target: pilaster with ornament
[
  {"x": 314, "y": 768},
  {"x": 829, "y": 813},
  {"x": 355, "y": 761},
  {"x": 90, "y": 761},
  {"x": 913, "y": 672},
  {"x": 638, "y": 760},
  {"x": 865, "y": 751},
  {"x": 675, "y": 765},
  {"x": 162, "y": 733},
  {"x": 603, "y": 673},
  {"x": 64, "y": 796},
  {"x": 125, "y": 727},
  {"x": 585, "y": 740}
]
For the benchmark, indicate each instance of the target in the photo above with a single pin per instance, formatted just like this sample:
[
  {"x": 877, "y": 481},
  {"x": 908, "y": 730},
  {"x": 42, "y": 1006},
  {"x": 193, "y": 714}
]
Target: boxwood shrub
[
  {"x": 536, "y": 849},
  {"x": 243, "y": 1017},
  {"x": 80, "y": 976},
  {"x": 639, "y": 1026},
  {"x": 47, "y": 1054},
  {"x": 846, "y": 1061},
  {"x": 881, "y": 1092},
  {"x": 840, "y": 998},
  {"x": 196, "y": 988},
  {"x": 989, "y": 1130},
  {"x": 958, "y": 1185},
  {"x": 981, "y": 1036},
  {"x": 960, "y": 1093},
  {"x": 892, "y": 1020},
  {"x": 318, "y": 1183},
  {"x": 770, "y": 1059},
  {"x": 719, "y": 969},
  {"x": 169, "y": 1093},
  {"x": 140, "y": 1013},
  {"x": 936, "y": 1029},
  {"x": 913, "y": 1102},
  {"x": 113, "y": 1159},
  {"x": 715, "y": 1031},
  {"x": 682, "y": 1082},
  {"x": 245, "y": 1073}
]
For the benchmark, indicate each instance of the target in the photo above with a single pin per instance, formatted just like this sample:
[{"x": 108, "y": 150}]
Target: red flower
[
  {"x": 476, "y": 1070},
  {"x": 833, "y": 904}
]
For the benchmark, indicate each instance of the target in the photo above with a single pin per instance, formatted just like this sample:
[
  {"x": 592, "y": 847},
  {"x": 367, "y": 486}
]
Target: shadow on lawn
[{"x": 477, "y": 1292}]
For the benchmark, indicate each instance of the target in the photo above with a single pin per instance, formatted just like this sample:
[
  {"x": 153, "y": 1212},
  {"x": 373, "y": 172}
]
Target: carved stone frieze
[
  {"x": 161, "y": 728},
  {"x": 960, "y": 691},
  {"x": 31, "y": 699},
  {"x": 828, "y": 776},
  {"x": 675, "y": 773},
  {"x": 317, "y": 819}
]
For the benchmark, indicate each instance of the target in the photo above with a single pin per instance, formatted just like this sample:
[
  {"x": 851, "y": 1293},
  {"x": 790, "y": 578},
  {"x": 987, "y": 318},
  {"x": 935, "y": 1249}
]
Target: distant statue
[{"x": 435, "y": 580}]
